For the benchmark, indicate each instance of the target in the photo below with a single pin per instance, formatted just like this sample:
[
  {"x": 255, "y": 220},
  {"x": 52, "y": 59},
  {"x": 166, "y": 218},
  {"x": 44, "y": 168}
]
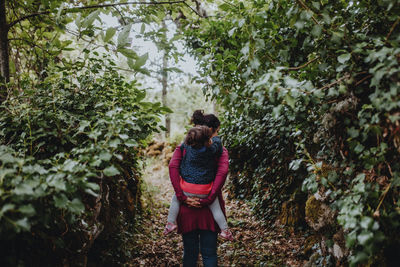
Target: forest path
[{"x": 255, "y": 244}]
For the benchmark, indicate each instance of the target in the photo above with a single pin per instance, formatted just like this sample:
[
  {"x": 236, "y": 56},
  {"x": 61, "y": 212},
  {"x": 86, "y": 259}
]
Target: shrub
[{"x": 69, "y": 162}]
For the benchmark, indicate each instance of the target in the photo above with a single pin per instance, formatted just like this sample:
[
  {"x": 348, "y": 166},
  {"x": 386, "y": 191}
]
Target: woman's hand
[{"x": 193, "y": 202}]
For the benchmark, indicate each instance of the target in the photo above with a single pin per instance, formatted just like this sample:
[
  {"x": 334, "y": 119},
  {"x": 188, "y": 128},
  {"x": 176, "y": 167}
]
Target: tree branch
[
  {"x": 120, "y": 14},
  {"x": 363, "y": 79},
  {"x": 392, "y": 28},
  {"x": 307, "y": 8},
  {"x": 304, "y": 65},
  {"x": 75, "y": 9},
  {"x": 345, "y": 77},
  {"x": 196, "y": 11}
]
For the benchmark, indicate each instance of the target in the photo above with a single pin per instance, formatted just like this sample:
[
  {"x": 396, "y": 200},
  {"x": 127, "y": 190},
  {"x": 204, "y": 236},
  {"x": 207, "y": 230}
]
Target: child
[{"x": 198, "y": 169}]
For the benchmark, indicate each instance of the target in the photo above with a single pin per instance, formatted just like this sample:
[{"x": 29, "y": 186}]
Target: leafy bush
[
  {"x": 311, "y": 93},
  {"x": 69, "y": 161}
]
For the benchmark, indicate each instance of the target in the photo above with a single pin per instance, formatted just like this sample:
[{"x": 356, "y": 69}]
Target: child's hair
[
  {"x": 198, "y": 136},
  {"x": 210, "y": 120}
]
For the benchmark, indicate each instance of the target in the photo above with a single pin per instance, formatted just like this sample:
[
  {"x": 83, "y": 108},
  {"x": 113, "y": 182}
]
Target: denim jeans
[{"x": 203, "y": 240}]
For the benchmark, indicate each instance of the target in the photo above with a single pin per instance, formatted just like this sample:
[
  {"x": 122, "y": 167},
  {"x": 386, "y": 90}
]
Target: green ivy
[{"x": 311, "y": 98}]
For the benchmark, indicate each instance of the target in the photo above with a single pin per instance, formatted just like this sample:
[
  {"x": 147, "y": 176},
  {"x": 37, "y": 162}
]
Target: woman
[{"x": 195, "y": 220}]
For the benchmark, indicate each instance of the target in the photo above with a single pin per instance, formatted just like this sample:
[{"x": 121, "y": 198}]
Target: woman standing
[{"x": 195, "y": 221}]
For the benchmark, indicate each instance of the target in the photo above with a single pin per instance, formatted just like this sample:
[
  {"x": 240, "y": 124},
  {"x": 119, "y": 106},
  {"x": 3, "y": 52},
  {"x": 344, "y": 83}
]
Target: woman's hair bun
[{"x": 198, "y": 117}]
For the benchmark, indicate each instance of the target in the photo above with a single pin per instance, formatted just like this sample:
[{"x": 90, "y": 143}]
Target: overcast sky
[{"x": 186, "y": 64}]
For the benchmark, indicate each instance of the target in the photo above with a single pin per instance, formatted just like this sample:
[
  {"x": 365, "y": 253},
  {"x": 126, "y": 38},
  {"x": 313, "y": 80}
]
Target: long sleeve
[
  {"x": 216, "y": 146},
  {"x": 174, "y": 173},
  {"x": 222, "y": 172}
]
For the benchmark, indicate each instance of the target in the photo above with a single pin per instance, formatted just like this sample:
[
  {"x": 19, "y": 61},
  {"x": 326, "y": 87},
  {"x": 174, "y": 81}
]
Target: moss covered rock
[{"x": 318, "y": 214}]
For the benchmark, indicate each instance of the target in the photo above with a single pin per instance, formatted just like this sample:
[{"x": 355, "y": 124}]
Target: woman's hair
[
  {"x": 198, "y": 117},
  {"x": 210, "y": 120},
  {"x": 198, "y": 136}
]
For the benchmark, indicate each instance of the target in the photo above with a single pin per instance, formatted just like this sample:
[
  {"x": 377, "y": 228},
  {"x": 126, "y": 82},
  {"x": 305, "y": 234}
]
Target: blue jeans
[{"x": 207, "y": 242}]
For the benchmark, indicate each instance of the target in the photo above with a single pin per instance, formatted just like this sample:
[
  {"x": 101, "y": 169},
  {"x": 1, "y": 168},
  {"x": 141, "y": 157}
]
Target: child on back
[{"x": 198, "y": 169}]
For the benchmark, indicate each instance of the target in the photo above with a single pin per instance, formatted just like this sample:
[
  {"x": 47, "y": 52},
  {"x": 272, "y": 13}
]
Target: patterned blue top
[{"x": 198, "y": 165}]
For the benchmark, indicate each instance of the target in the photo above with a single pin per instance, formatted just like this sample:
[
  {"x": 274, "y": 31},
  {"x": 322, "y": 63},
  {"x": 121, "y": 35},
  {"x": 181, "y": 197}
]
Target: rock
[
  {"x": 312, "y": 262},
  {"x": 318, "y": 214},
  {"x": 337, "y": 251}
]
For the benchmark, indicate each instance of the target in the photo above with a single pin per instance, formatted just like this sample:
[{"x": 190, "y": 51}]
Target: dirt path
[{"x": 254, "y": 245}]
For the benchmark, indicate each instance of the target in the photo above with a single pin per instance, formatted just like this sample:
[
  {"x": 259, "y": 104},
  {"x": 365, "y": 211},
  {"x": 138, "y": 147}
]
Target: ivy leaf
[
  {"x": 88, "y": 21},
  {"x": 58, "y": 183},
  {"x": 83, "y": 124},
  {"x": 78, "y": 21},
  {"x": 366, "y": 222},
  {"x": 60, "y": 9},
  {"x": 93, "y": 186},
  {"x": 76, "y": 206},
  {"x": 359, "y": 148},
  {"x": 23, "y": 189},
  {"x": 141, "y": 61},
  {"x": 364, "y": 237},
  {"x": 291, "y": 101},
  {"x": 224, "y": 7},
  {"x": 254, "y": 64},
  {"x": 344, "y": 58},
  {"x": 131, "y": 143},
  {"x": 91, "y": 192},
  {"x": 105, "y": 156},
  {"x": 316, "y": 30},
  {"x": 361, "y": 256},
  {"x": 123, "y": 36},
  {"x": 115, "y": 142},
  {"x": 27, "y": 210},
  {"x": 129, "y": 53},
  {"x": 123, "y": 136},
  {"x": 60, "y": 201},
  {"x": 109, "y": 34},
  {"x": 6, "y": 208},
  {"x": 353, "y": 132},
  {"x": 316, "y": 5},
  {"x": 23, "y": 224},
  {"x": 69, "y": 165},
  {"x": 231, "y": 31},
  {"x": 111, "y": 171},
  {"x": 295, "y": 164},
  {"x": 142, "y": 28}
]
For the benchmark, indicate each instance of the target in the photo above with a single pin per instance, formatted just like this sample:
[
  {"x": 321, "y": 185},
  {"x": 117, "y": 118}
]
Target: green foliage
[
  {"x": 41, "y": 32},
  {"x": 311, "y": 93},
  {"x": 63, "y": 142}
]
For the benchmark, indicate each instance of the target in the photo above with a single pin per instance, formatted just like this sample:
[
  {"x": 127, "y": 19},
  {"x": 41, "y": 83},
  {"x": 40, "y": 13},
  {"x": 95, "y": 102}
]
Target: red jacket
[{"x": 190, "y": 219}]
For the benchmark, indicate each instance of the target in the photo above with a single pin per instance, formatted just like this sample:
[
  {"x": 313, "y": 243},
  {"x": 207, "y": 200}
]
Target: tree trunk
[
  {"x": 215, "y": 109},
  {"x": 4, "y": 56},
  {"x": 164, "y": 82}
]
